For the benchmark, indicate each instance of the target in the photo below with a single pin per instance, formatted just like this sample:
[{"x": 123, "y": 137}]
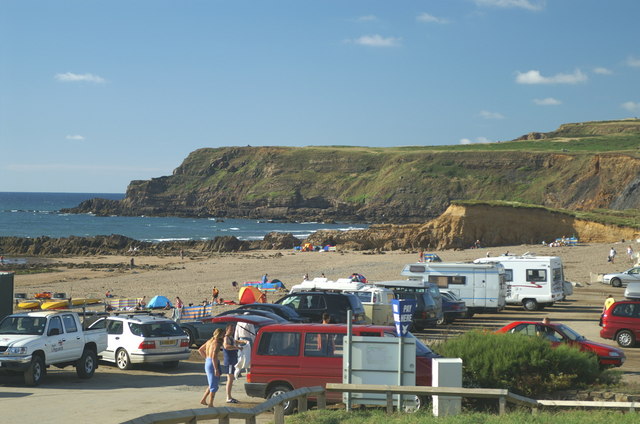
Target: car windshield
[
  {"x": 569, "y": 333},
  {"x": 23, "y": 325},
  {"x": 156, "y": 329}
]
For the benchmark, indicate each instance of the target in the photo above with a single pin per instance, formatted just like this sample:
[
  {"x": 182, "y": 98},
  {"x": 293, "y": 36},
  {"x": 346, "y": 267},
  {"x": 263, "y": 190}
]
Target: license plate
[{"x": 167, "y": 342}]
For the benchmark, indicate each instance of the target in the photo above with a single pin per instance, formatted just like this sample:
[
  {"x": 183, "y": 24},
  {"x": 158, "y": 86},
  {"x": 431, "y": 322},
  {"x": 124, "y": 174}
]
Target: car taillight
[
  {"x": 424, "y": 314},
  {"x": 147, "y": 345},
  {"x": 248, "y": 377},
  {"x": 184, "y": 343}
]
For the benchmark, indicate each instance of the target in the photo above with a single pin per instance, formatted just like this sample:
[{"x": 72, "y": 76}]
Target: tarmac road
[{"x": 113, "y": 396}]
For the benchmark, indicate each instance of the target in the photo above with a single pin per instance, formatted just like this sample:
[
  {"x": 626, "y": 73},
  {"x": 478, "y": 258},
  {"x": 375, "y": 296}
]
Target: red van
[
  {"x": 285, "y": 357},
  {"x": 621, "y": 322}
]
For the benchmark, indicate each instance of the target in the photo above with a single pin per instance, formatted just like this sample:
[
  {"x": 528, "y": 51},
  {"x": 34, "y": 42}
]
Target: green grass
[{"x": 373, "y": 416}]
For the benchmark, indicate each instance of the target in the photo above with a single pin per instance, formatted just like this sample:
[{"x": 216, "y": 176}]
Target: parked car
[
  {"x": 286, "y": 357},
  {"x": 199, "y": 331},
  {"x": 561, "y": 334},
  {"x": 619, "y": 279},
  {"x": 283, "y": 311},
  {"x": 313, "y": 304},
  {"x": 426, "y": 313},
  {"x": 452, "y": 307},
  {"x": 138, "y": 339},
  {"x": 621, "y": 322}
]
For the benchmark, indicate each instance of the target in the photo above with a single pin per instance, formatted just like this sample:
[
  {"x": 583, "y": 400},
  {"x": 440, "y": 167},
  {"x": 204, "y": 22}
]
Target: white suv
[{"x": 138, "y": 339}]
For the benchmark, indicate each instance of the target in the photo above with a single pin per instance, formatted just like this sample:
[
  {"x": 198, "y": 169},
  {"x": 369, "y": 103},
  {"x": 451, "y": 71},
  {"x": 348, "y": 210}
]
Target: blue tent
[{"x": 159, "y": 302}]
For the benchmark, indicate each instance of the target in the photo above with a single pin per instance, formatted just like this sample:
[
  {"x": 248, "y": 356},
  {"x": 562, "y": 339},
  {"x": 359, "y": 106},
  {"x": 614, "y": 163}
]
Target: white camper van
[
  {"x": 481, "y": 286},
  {"x": 532, "y": 281},
  {"x": 375, "y": 300}
]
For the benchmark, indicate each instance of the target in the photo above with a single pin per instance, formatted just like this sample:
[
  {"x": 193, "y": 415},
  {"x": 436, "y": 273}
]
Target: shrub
[{"x": 522, "y": 364}]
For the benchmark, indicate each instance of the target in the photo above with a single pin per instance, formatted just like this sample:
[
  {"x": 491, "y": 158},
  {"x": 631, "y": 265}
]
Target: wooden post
[
  {"x": 302, "y": 403},
  {"x": 502, "y": 402},
  {"x": 389, "y": 403},
  {"x": 322, "y": 400},
  {"x": 278, "y": 414}
]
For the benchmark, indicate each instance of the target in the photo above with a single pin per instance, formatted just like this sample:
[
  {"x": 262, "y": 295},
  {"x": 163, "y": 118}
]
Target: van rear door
[{"x": 277, "y": 358}]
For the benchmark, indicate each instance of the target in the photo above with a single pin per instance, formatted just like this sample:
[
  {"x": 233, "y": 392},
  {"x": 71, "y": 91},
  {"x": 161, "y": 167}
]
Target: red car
[
  {"x": 621, "y": 322},
  {"x": 560, "y": 333}
]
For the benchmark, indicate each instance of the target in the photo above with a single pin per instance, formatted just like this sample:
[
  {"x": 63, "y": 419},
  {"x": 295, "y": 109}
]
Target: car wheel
[
  {"x": 615, "y": 282},
  {"x": 86, "y": 365},
  {"x": 288, "y": 406},
  {"x": 530, "y": 304},
  {"x": 122, "y": 359},
  {"x": 192, "y": 340},
  {"x": 415, "y": 404},
  {"x": 625, "y": 338},
  {"x": 36, "y": 371}
]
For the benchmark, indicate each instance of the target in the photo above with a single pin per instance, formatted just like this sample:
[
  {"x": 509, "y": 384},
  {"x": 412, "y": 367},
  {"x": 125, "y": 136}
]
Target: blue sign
[{"x": 402, "y": 315}]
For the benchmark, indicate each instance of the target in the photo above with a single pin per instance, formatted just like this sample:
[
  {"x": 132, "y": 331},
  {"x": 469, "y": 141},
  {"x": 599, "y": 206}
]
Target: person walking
[
  {"x": 612, "y": 254},
  {"x": 265, "y": 278},
  {"x": 212, "y": 350},
  {"x": 230, "y": 352},
  {"x": 177, "y": 311},
  {"x": 630, "y": 253}
]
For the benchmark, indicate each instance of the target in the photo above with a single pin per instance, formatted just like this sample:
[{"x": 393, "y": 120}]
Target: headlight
[{"x": 16, "y": 351}]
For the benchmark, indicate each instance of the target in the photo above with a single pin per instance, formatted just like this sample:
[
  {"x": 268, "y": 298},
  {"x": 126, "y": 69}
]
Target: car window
[
  {"x": 156, "y": 329},
  {"x": 114, "y": 327},
  {"x": 536, "y": 275},
  {"x": 328, "y": 345},
  {"x": 55, "y": 322},
  {"x": 279, "y": 344},
  {"x": 508, "y": 275},
  {"x": 294, "y": 302},
  {"x": 527, "y": 329},
  {"x": 627, "y": 310},
  {"x": 69, "y": 323}
]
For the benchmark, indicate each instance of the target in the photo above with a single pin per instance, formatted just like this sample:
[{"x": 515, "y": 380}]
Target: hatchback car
[
  {"x": 619, "y": 279},
  {"x": 452, "y": 307},
  {"x": 138, "y": 339},
  {"x": 314, "y": 304},
  {"x": 561, "y": 334},
  {"x": 621, "y": 322}
]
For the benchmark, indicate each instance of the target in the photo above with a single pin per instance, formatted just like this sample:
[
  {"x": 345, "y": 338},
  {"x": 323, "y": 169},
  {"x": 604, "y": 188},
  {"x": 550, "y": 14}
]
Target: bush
[{"x": 523, "y": 364}]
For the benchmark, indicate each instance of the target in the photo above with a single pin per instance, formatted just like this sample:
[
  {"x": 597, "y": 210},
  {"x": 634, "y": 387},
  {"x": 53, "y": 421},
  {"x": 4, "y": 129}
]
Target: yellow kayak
[
  {"x": 30, "y": 304},
  {"x": 62, "y": 304}
]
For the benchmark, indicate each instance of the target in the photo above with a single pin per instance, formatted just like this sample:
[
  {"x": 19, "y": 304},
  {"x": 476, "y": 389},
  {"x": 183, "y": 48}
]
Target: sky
[{"x": 95, "y": 94}]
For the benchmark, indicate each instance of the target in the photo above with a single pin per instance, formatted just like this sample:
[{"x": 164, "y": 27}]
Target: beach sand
[{"x": 193, "y": 277}]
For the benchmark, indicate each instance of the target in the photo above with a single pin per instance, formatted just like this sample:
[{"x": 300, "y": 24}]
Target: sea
[{"x": 37, "y": 214}]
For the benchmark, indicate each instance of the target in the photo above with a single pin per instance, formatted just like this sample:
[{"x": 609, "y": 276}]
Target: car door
[
  {"x": 323, "y": 353},
  {"x": 74, "y": 343},
  {"x": 115, "y": 331},
  {"x": 56, "y": 339},
  {"x": 633, "y": 275}
]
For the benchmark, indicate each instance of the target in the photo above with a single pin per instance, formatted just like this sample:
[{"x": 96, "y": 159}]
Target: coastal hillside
[{"x": 580, "y": 166}]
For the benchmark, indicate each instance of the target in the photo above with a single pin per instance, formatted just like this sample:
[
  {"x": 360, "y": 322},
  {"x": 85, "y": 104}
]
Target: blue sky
[{"x": 94, "y": 94}]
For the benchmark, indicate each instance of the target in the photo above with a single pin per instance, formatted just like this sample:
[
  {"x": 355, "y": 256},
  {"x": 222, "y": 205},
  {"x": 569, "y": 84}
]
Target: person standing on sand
[
  {"x": 612, "y": 254},
  {"x": 212, "y": 350},
  {"x": 214, "y": 294},
  {"x": 230, "y": 352},
  {"x": 265, "y": 278},
  {"x": 630, "y": 253}
]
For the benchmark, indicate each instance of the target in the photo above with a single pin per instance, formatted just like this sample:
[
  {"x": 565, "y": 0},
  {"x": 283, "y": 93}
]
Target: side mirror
[{"x": 53, "y": 332}]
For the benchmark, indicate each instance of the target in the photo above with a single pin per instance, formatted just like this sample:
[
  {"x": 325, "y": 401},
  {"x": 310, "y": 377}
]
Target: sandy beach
[{"x": 194, "y": 276}]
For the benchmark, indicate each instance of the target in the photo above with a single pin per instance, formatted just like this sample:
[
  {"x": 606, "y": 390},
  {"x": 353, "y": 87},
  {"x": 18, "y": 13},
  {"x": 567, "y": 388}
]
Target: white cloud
[
  {"x": 602, "y": 71},
  {"x": 633, "y": 61},
  {"x": 631, "y": 106},
  {"x": 367, "y": 18},
  {"x": 376, "y": 41},
  {"x": 71, "y": 77},
  {"x": 427, "y": 18},
  {"x": 478, "y": 140},
  {"x": 75, "y": 137},
  {"x": 522, "y": 4},
  {"x": 485, "y": 114},
  {"x": 549, "y": 101},
  {"x": 535, "y": 77}
]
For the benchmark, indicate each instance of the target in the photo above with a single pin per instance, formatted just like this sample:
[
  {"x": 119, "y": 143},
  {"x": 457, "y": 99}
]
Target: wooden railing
[
  {"x": 224, "y": 414},
  {"x": 502, "y": 395}
]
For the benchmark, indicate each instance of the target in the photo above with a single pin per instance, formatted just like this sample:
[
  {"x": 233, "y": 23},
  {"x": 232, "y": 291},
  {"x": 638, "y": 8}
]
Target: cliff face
[
  {"x": 579, "y": 167},
  {"x": 459, "y": 226}
]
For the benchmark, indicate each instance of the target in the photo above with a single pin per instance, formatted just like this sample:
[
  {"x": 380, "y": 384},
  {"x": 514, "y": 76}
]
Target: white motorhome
[
  {"x": 375, "y": 300},
  {"x": 481, "y": 286},
  {"x": 532, "y": 281}
]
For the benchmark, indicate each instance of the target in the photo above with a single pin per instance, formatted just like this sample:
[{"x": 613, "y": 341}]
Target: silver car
[{"x": 620, "y": 279}]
